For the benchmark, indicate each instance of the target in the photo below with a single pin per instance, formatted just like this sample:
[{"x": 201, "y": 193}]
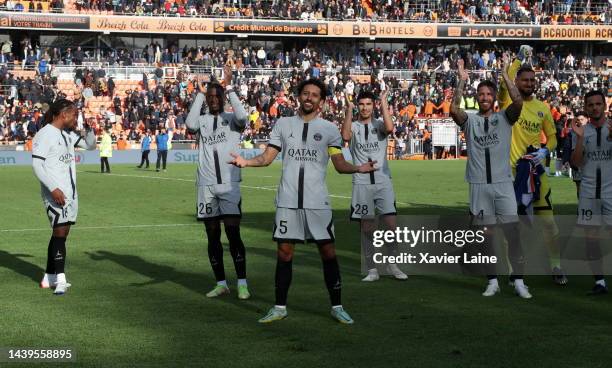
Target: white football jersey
[{"x": 56, "y": 148}]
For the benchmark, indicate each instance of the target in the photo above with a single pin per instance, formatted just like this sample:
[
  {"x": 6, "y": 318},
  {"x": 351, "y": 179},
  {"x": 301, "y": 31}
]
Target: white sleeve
[
  {"x": 335, "y": 139},
  {"x": 240, "y": 114},
  {"x": 88, "y": 142},
  {"x": 276, "y": 136},
  {"x": 193, "y": 118},
  {"x": 40, "y": 151}
]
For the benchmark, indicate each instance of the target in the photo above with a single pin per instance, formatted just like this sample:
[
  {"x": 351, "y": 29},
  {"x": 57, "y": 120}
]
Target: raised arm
[
  {"x": 577, "y": 158},
  {"x": 456, "y": 112},
  {"x": 240, "y": 113},
  {"x": 503, "y": 96},
  {"x": 88, "y": 141},
  {"x": 265, "y": 159},
  {"x": 550, "y": 130},
  {"x": 346, "y": 131},
  {"x": 513, "y": 111},
  {"x": 193, "y": 118},
  {"x": 384, "y": 106}
]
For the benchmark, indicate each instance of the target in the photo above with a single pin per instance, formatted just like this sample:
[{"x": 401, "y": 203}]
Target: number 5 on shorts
[{"x": 282, "y": 227}]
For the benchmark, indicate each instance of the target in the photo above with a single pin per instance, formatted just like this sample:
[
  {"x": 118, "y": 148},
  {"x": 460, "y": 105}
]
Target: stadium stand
[{"x": 536, "y": 12}]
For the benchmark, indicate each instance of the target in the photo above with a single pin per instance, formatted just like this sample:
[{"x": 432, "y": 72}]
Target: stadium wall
[
  {"x": 329, "y": 29},
  {"x": 22, "y": 158}
]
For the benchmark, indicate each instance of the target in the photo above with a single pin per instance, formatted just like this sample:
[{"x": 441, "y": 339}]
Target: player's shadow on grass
[
  {"x": 160, "y": 274},
  {"x": 15, "y": 263},
  {"x": 91, "y": 171},
  {"x": 305, "y": 258},
  {"x": 191, "y": 281}
]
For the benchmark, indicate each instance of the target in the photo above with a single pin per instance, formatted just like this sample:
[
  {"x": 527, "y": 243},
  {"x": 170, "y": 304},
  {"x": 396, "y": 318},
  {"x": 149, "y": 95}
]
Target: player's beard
[
  {"x": 489, "y": 108},
  {"x": 306, "y": 110},
  {"x": 526, "y": 93},
  {"x": 598, "y": 117},
  {"x": 365, "y": 116}
]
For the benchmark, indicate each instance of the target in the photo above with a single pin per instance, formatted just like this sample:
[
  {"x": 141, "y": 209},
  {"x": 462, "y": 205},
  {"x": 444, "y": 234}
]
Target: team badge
[
  {"x": 540, "y": 114},
  {"x": 224, "y": 122},
  {"x": 494, "y": 122},
  {"x": 317, "y": 137},
  {"x": 374, "y": 130}
]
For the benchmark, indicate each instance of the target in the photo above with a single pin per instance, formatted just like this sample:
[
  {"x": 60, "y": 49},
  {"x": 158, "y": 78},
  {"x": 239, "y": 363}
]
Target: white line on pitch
[
  {"x": 241, "y": 185},
  {"x": 76, "y": 227},
  {"x": 100, "y": 227}
]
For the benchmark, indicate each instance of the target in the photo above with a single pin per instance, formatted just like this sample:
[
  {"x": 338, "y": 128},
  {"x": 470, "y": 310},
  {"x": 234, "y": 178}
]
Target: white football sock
[{"x": 519, "y": 282}]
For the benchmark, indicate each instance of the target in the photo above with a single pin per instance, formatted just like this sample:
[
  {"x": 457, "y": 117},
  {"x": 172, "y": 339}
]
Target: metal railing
[{"x": 135, "y": 72}]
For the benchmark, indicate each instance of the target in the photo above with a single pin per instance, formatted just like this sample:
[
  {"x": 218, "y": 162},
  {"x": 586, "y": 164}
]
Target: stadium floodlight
[
  {"x": 372, "y": 38},
  {"x": 242, "y": 35},
  {"x": 493, "y": 39}
]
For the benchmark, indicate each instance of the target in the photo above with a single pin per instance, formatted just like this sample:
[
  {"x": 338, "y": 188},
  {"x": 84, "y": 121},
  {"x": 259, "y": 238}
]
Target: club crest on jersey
[
  {"x": 224, "y": 122},
  {"x": 374, "y": 130},
  {"x": 494, "y": 122},
  {"x": 540, "y": 114},
  {"x": 317, "y": 137}
]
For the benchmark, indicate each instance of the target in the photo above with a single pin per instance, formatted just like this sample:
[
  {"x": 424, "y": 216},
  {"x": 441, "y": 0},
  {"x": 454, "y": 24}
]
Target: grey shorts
[
  {"x": 293, "y": 225},
  {"x": 493, "y": 203},
  {"x": 61, "y": 216},
  {"x": 369, "y": 200},
  {"x": 218, "y": 200},
  {"x": 594, "y": 212}
]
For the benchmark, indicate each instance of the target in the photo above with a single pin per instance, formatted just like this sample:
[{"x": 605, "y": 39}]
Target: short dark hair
[
  {"x": 57, "y": 108},
  {"x": 366, "y": 94},
  {"x": 524, "y": 69},
  {"x": 314, "y": 82},
  {"x": 487, "y": 83},
  {"x": 595, "y": 92},
  {"x": 580, "y": 113}
]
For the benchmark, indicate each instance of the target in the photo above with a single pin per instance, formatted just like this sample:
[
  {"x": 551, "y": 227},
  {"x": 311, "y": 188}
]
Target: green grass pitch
[{"x": 139, "y": 268}]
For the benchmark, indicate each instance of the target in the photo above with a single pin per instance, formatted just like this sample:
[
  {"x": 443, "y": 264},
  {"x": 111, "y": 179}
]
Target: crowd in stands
[
  {"x": 159, "y": 102},
  {"x": 492, "y": 11},
  {"x": 315, "y": 59}
]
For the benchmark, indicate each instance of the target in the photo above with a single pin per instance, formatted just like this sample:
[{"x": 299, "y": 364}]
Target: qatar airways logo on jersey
[
  {"x": 66, "y": 158},
  {"x": 530, "y": 126},
  {"x": 215, "y": 138},
  {"x": 303, "y": 154},
  {"x": 369, "y": 147},
  {"x": 487, "y": 140},
  {"x": 600, "y": 155}
]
